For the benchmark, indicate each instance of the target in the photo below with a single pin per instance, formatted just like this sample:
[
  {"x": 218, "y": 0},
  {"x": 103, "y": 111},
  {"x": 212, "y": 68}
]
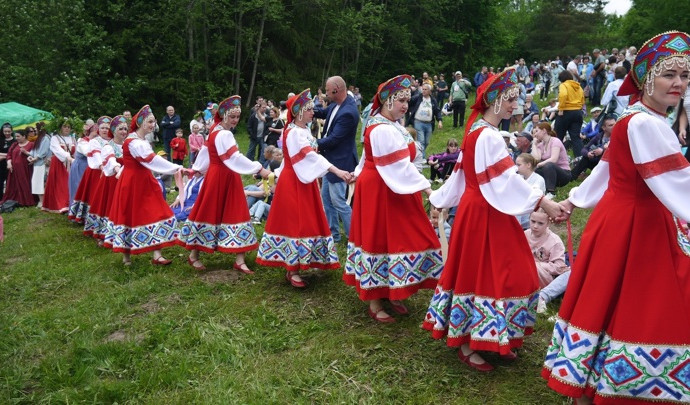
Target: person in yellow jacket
[{"x": 571, "y": 98}]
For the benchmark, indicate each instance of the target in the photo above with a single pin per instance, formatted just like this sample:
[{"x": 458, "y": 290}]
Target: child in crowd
[
  {"x": 196, "y": 141},
  {"x": 418, "y": 161},
  {"x": 433, "y": 217},
  {"x": 178, "y": 146},
  {"x": 549, "y": 255},
  {"x": 526, "y": 164},
  {"x": 442, "y": 164}
]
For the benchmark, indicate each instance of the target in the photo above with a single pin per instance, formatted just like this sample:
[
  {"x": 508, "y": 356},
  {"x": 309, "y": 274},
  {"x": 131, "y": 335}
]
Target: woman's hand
[
  {"x": 342, "y": 174},
  {"x": 681, "y": 136},
  {"x": 264, "y": 173},
  {"x": 9, "y": 166},
  {"x": 428, "y": 191}
]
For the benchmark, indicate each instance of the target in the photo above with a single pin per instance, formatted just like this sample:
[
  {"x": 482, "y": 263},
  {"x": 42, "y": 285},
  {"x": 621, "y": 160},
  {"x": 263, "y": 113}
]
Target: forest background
[{"x": 102, "y": 56}]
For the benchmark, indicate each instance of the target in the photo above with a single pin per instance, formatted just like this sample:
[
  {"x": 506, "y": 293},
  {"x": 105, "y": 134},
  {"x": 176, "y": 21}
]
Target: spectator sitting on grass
[{"x": 442, "y": 164}]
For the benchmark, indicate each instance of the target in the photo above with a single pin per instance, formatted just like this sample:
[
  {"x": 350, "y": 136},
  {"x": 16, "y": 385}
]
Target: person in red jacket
[{"x": 179, "y": 147}]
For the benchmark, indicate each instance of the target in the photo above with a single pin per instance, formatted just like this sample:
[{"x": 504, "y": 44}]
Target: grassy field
[{"x": 76, "y": 326}]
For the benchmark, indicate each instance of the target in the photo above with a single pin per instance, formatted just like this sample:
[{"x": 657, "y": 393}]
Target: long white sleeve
[
  {"x": 93, "y": 156},
  {"x": 109, "y": 163},
  {"x": 360, "y": 165},
  {"x": 142, "y": 152},
  {"x": 656, "y": 153},
  {"x": 392, "y": 160},
  {"x": 308, "y": 164},
  {"x": 450, "y": 193},
  {"x": 57, "y": 143},
  {"x": 229, "y": 153},
  {"x": 499, "y": 182},
  {"x": 202, "y": 161},
  {"x": 83, "y": 146},
  {"x": 588, "y": 194}
]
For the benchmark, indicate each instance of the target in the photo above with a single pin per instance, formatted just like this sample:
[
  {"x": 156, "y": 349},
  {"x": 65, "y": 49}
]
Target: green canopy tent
[{"x": 20, "y": 115}]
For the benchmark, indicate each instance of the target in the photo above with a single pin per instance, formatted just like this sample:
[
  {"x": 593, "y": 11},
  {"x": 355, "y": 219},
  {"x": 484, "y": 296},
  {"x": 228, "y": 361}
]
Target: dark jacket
[
  {"x": 415, "y": 102},
  {"x": 597, "y": 141},
  {"x": 252, "y": 127},
  {"x": 338, "y": 144},
  {"x": 170, "y": 125}
]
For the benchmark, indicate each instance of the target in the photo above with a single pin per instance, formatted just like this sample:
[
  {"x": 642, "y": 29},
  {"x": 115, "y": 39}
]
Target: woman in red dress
[
  {"x": 297, "y": 236},
  {"x": 393, "y": 250},
  {"x": 19, "y": 172},
  {"x": 219, "y": 220},
  {"x": 111, "y": 160},
  {"x": 486, "y": 298},
  {"x": 62, "y": 145},
  {"x": 140, "y": 220},
  {"x": 79, "y": 208},
  {"x": 623, "y": 330}
]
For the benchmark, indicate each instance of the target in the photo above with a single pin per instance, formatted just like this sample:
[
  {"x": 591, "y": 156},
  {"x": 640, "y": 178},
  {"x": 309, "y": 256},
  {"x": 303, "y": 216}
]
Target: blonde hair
[{"x": 529, "y": 159}]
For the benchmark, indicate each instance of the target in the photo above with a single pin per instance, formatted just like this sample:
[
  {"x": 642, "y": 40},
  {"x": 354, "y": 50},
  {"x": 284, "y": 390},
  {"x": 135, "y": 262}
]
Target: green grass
[{"x": 78, "y": 326}]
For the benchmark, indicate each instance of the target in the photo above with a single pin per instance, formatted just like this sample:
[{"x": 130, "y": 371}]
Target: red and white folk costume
[
  {"x": 623, "y": 329},
  {"x": 56, "y": 197},
  {"x": 393, "y": 250},
  {"x": 220, "y": 218},
  {"x": 111, "y": 161},
  {"x": 487, "y": 294},
  {"x": 79, "y": 208},
  {"x": 297, "y": 236},
  {"x": 139, "y": 219}
]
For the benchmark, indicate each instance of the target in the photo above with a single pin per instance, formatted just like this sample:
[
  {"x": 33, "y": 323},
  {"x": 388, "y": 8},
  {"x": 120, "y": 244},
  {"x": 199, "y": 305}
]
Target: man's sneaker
[
  {"x": 256, "y": 221},
  {"x": 541, "y": 306},
  {"x": 549, "y": 196}
]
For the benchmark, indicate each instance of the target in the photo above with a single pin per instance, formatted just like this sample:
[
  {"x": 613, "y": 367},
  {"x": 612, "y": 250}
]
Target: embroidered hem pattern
[
  {"x": 230, "y": 238},
  {"x": 582, "y": 362},
  {"x": 92, "y": 224},
  {"x": 141, "y": 239},
  {"x": 382, "y": 275},
  {"x": 77, "y": 211},
  {"x": 493, "y": 324},
  {"x": 298, "y": 253}
]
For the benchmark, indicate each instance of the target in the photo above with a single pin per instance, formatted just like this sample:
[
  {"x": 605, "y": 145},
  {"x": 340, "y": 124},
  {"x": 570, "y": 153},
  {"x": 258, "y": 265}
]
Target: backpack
[{"x": 8, "y": 206}]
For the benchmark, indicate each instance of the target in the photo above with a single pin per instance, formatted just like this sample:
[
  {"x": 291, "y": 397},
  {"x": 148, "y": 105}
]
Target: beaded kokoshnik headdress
[
  {"x": 494, "y": 92},
  {"x": 391, "y": 90},
  {"x": 297, "y": 104},
  {"x": 662, "y": 52}
]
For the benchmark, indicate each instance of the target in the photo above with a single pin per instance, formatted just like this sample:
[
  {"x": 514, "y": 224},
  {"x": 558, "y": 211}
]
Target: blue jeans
[
  {"x": 555, "y": 288},
  {"x": 251, "y": 151},
  {"x": 336, "y": 208},
  {"x": 251, "y": 200},
  {"x": 596, "y": 90},
  {"x": 423, "y": 133}
]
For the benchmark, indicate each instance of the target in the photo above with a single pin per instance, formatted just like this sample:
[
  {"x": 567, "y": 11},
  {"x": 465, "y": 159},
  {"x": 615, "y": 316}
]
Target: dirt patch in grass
[
  {"x": 12, "y": 260},
  {"x": 219, "y": 276},
  {"x": 173, "y": 298},
  {"x": 121, "y": 335},
  {"x": 117, "y": 336},
  {"x": 151, "y": 307}
]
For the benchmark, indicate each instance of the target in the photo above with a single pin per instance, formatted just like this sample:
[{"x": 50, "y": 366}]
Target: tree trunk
[
  {"x": 205, "y": 30},
  {"x": 256, "y": 58},
  {"x": 238, "y": 53}
]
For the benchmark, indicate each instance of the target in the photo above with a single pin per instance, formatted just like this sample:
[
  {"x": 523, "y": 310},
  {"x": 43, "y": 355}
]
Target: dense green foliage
[{"x": 102, "y": 56}]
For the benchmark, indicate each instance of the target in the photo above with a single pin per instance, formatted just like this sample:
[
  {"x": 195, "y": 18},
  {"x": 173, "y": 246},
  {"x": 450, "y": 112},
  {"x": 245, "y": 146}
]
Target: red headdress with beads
[
  {"x": 489, "y": 92},
  {"x": 296, "y": 103},
  {"x": 119, "y": 119},
  {"x": 229, "y": 104},
  {"x": 650, "y": 60},
  {"x": 105, "y": 120},
  {"x": 139, "y": 117},
  {"x": 389, "y": 88}
]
